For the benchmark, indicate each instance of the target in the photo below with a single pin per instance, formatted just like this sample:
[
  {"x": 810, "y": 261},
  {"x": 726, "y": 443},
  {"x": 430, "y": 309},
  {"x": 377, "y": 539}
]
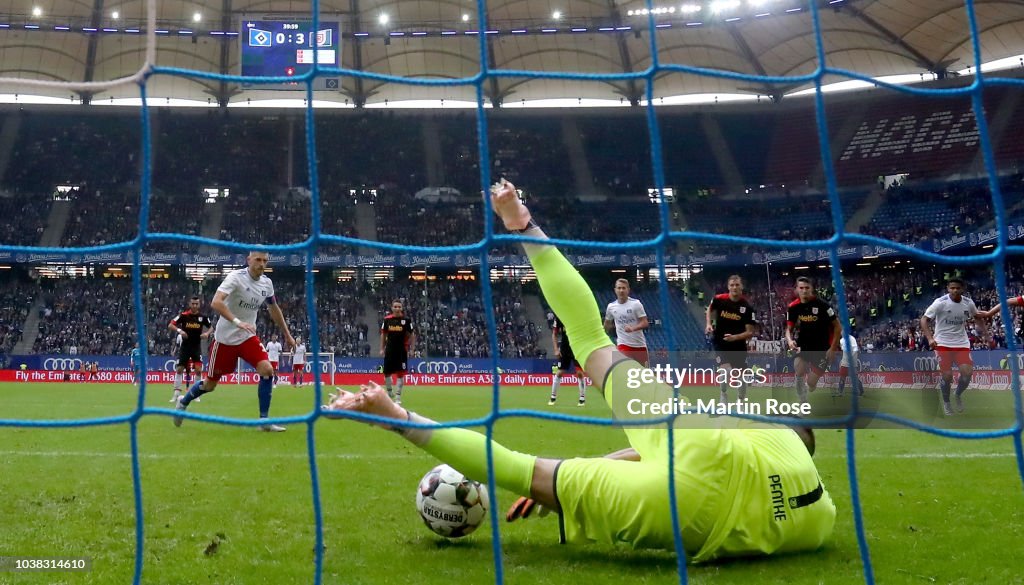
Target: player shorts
[
  {"x": 567, "y": 362},
  {"x": 734, "y": 354},
  {"x": 846, "y": 361},
  {"x": 636, "y": 353},
  {"x": 224, "y": 358},
  {"x": 188, "y": 356},
  {"x": 395, "y": 362},
  {"x": 298, "y": 367},
  {"x": 273, "y": 364},
  {"x": 949, "y": 355},
  {"x": 816, "y": 360}
]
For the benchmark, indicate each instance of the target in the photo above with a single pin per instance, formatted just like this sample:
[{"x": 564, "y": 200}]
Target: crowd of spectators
[
  {"x": 339, "y": 312},
  {"x": 102, "y": 216},
  {"x": 450, "y": 320},
  {"x": 26, "y": 216},
  {"x": 59, "y": 148},
  {"x": 405, "y": 220},
  {"x": 16, "y": 298}
]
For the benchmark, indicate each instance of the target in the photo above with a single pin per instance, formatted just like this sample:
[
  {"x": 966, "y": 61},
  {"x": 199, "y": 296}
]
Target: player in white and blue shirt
[
  {"x": 238, "y": 300},
  {"x": 951, "y": 313}
]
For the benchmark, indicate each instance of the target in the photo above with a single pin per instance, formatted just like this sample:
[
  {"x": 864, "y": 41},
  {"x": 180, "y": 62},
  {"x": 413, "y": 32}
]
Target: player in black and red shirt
[
  {"x": 192, "y": 328},
  {"x": 567, "y": 363},
  {"x": 818, "y": 333},
  {"x": 396, "y": 340},
  {"x": 734, "y": 323}
]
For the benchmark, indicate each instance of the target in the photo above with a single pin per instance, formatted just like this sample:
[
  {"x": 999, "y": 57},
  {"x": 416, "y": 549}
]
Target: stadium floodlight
[
  {"x": 196, "y": 17},
  {"x": 37, "y": 11},
  {"x": 115, "y": 15},
  {"x": 557, "y": 15},
  {"x": 690, "y": 8},
  {"x": 465, "y": 18},
  {"x": 383, "y": 18},
  {"x": 757, "y": 3},
  {"x": 724, "y": 5}
]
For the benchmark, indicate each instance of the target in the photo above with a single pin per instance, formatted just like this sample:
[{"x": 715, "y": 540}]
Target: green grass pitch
[{"x": 226, "y": 504}]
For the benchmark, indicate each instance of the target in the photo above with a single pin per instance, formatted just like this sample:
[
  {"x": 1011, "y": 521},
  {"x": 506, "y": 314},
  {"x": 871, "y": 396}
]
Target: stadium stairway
[
  {"x": 997, "y": 128},
  {"x": 30, "y": 329},
  {"x": 431, "y": 136},
  {"x": 583, "y": 178},
  {"x": 723, "y": 155},
  {"x": 213, "y": 219},
  {"x": 366, "y": 225},
  {"x": 863, "y": 216},
  {"x": 372, "y": 319},
  {"x": 57, "y": 221},
  {"x": 535, "y": 313},
  {"x": 8, "y": 138}
]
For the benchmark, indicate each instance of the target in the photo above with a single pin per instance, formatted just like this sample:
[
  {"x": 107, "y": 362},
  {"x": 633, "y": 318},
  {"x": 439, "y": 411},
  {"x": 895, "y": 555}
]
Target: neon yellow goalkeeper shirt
[{"x": 744, "y": 490}]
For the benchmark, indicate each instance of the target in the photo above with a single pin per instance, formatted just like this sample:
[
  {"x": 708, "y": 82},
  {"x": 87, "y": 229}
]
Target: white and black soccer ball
[{"x": 451, "y": 504}]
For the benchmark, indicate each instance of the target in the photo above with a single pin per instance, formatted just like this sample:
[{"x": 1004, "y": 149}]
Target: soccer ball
[{"x": 451, "y": 504}]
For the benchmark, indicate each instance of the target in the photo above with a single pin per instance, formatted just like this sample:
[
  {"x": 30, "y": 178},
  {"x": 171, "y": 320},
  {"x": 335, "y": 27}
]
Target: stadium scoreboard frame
[{"x": 286, "y": 48}]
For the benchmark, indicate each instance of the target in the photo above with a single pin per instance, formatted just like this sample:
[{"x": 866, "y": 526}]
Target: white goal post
[{"x": 327, "y": 365}]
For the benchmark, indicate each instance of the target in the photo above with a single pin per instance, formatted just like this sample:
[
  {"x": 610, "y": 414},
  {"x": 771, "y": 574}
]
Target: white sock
[
  {"x": 398, "y": 387},
  {"x": 555, "y": 383},
  {"x": 177, "y": 381}
]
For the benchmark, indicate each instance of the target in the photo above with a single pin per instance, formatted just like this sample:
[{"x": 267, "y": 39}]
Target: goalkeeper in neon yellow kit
[{"x": 744, "y": 490}]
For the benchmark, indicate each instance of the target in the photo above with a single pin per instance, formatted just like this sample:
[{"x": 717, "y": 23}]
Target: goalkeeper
[{"x": 740, "y": 491}]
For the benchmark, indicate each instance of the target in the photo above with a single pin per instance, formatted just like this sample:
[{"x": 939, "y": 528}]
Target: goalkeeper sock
[
  {"x": 177, "y": 382},
  {"x": 944, "y": 387},
  {"x": 555, "y": 382},
  {"x": 962, "y": 383},
  {"x": 466, "y": 451},
  {"x": 194, "y": 392},
  {"x": 583, "y": 386},
  {"x": 265, "y": 390},
  {"x": 398, "y": 387},
  {"x": 571, "y": 299}
]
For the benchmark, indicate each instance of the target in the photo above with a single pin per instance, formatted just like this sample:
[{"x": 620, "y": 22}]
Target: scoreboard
[{"x": 288, "y": 48}]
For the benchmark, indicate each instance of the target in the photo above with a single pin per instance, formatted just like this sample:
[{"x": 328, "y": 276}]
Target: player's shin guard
[
  {"x": 571, "y": 299},
  {"x": 556, "y": 381},
  {"x": 583, "y": 386},
  {"x": 265, "y": 390},
  {"x": 466, "y": 451},
  {"x": 398, "y": 387},
  {"x": 387, "y": 386},
  {"x": 194, "y": 392}
]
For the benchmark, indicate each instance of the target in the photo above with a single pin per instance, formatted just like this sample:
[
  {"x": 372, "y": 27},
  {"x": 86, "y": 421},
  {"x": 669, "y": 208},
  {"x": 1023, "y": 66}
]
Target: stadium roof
[{"x": 105, "y": 40}]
